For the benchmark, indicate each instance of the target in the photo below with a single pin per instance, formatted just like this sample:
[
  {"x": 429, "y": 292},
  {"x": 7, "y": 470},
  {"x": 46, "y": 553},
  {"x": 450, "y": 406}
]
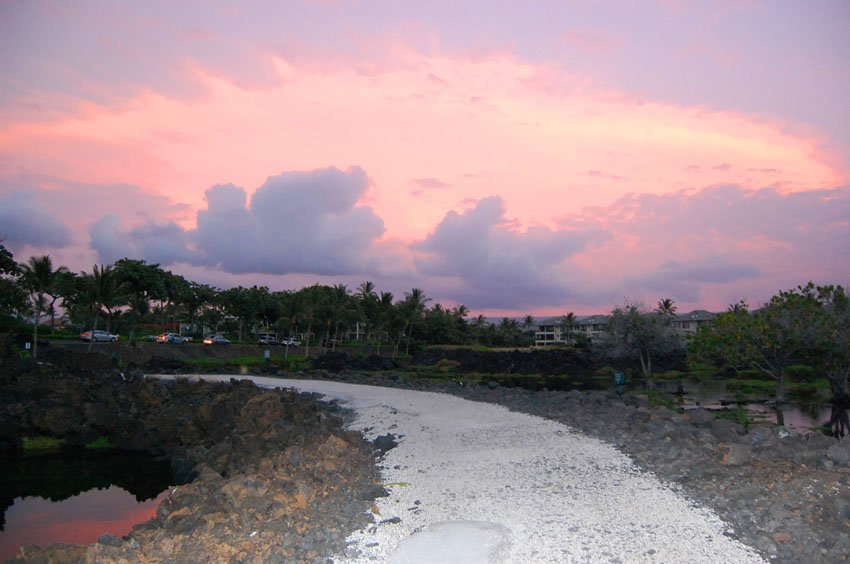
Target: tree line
[
  {"x": 119, "y": 297},
  {"x": 809, "y": 324}
]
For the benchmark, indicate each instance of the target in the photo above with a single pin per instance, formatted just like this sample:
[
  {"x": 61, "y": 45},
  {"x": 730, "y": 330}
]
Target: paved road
[{"x": 473, "y": 482}]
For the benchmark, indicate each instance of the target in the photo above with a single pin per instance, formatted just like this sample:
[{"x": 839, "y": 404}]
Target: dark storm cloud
[
  {"x": 164, "y": 243},
  {"x": 496, "y": 266},
  {"x": 24, "y": 220}
]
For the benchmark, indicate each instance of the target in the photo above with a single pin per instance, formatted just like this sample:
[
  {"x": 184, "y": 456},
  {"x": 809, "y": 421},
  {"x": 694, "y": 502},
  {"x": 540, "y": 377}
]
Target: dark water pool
[
  {"x": 80, "y": 519},
  {"x": 74, "y": 497},
  {"x": 800, "y": 413}
]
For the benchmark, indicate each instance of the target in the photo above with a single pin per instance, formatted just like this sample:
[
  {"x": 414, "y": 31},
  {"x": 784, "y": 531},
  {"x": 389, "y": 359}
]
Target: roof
[{"x": 696, "y": 315}]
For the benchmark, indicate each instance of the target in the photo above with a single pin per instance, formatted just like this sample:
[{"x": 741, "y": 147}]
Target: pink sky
[{"x": 514, "y": 158}]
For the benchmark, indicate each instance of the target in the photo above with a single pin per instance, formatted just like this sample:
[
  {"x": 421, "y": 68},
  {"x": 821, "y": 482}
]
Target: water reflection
[
  {"x": 73, "y": 497},
  {"x": 80, "y": 519},
  {"x": 802, "y": 413},
  {"x": 839, "y": 419}
]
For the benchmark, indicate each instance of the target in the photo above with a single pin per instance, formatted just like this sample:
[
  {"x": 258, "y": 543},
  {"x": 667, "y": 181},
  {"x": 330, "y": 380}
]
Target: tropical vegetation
[{"x": 808, "y": 325}]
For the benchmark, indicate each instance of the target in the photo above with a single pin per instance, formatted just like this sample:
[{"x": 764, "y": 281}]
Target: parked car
[
  {"x": 267, "y": 340},
  {"x": 290, "y": 342},
  {"x": 216, "y": 340},
  {"x": 171, "y": 338},
  {"x": 98, "y": 335}
]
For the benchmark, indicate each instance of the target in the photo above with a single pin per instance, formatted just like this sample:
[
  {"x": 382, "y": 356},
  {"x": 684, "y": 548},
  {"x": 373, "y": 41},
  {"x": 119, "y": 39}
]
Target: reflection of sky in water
[
  {"x": 801, "y": 415},
  {"x": 77, "y": 520}
]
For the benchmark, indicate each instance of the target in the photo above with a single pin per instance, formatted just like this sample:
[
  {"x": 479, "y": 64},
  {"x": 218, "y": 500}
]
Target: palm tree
[
  {"x": 568, "y": 323},
  {"x": 341, "y": 309},
  {"x": 739, "y": 307},
  {"x": 367, "y": 301},
  {"x": 479, "y": 323},
  {"x": 413, "y": 307},
  {"x": 386, "y": 311},
  {"x": 528, "y": 322},
  {"x": 509, "y": 330},
  {"x": 366, "y": 290},
  {"x": 107, "y": 292},
  {"x": 666, "y": 306},
  {"x": 309, "y": 301},
  {"x": 459, "y": 333},
  {"x": 40, "y": 280}
]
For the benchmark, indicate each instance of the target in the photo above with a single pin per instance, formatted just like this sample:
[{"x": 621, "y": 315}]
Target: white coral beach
[{"x": 475, "y": 482}]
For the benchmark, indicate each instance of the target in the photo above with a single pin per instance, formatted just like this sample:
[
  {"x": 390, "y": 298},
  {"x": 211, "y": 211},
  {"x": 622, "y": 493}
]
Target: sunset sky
[{"x": 517, "y": 157}]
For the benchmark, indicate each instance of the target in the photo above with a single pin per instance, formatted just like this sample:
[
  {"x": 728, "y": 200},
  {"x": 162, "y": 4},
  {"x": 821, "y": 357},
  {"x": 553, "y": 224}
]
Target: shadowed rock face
[{"x": 268, "y": 465}]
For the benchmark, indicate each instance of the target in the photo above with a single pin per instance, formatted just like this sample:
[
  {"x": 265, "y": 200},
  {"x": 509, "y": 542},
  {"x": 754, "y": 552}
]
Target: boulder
[
  {"x": 726, "y": 431},
  {"x": 735, "y": 454},
  {"x": 839, "y": 452},
  {"x": 699, "y": 416}
]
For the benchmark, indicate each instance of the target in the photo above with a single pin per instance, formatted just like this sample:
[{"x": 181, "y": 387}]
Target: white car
[
  {"x": 98, "y": 335},
  {"x": 290, "y": 342},
  {"x": 216, "y": 340},
  {"x": 172, "y": 338}
]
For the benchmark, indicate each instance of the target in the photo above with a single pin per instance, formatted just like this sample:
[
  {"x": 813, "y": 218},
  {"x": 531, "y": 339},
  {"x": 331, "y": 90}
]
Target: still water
[
  {"x": 800, "y": 413},
  {"x": 76, "y": 496},
  {"x": 80, "y": 519}
]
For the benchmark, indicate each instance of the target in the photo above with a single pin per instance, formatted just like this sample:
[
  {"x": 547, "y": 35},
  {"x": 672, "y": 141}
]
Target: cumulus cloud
[
  {"x": 497, "y": 266},
  {"x": 24, "y": 220},
  {"x": 165, "y": 242},
  {"x": 296, "y": 222}
]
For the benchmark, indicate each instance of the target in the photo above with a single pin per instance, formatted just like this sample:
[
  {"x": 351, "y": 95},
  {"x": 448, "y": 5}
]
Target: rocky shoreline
[
  {"x": 785, "y": 494},
  {"x": 274, "y": 474},
  {"x": 278, "y": 478}
]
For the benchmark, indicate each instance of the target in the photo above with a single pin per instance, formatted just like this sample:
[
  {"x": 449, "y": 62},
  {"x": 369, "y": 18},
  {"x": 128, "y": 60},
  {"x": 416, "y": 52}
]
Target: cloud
[
  {"x": 539, "y": 127},
  {"x": 165, "y": 243},
  {"x": 296, "y": 222},
  {"x": 685, "y": 279},
  {"x": 426, "y": 184},
  {"x": 431, "y": 183},
  {"x": 498, "y": 267},
  {"x": 24, "y": 220},
  {"x": 717, "y": 245}
]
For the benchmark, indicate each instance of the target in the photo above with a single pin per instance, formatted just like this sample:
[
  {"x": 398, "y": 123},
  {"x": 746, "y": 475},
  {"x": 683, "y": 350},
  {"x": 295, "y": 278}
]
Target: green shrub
[
  {"x": 292, "y": 363},
  {"x": 753, "y": 374},
  {"x": 101, "y": 443},
  {"x": 801, "y": 373},
  {"x": 737, "y": 414},
  {"x": 447, "y": 365},
  {"x": 659, "y": 398},
  {"x": 42, "y": 443},
  {"x": 670, "y": 375},
  {"x": 751, "y": 387}
]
